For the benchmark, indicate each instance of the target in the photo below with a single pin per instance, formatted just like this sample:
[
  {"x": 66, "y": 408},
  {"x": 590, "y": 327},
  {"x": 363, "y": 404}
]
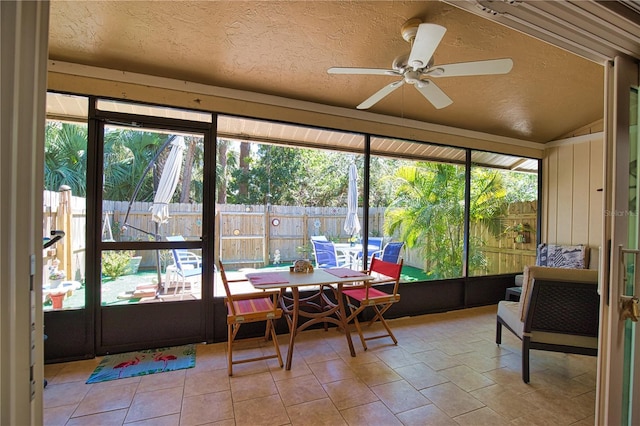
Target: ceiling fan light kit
[{"x": 417, "y": 68}]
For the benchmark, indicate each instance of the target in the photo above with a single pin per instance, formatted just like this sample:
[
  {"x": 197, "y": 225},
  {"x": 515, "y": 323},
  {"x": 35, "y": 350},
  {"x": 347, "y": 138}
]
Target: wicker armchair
[{"x": 558, "y": 311}]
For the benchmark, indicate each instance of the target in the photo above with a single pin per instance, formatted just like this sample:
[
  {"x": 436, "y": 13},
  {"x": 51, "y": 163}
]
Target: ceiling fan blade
[
  {"x": 427, "y": 40},
  {"x": 373, "y": 99},
  {"x": 433, "y": 93},
  {"x": 493, "y": 66},
  {"x": 370, "y": 71}
]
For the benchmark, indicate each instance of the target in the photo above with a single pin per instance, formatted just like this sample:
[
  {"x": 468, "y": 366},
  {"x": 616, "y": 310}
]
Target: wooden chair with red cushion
[
  {"x": 248, "y": 308},
  {"x": 361, "y": 297}
]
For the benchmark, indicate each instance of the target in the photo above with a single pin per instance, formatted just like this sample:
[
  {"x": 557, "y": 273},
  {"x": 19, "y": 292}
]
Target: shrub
[{"x": 115, "y": 263}]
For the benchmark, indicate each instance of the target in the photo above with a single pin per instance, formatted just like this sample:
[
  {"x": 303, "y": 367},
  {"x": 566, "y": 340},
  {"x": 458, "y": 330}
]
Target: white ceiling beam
[
  {"x": 597, "y": 31},
  {"x": 258, "y": 98}
]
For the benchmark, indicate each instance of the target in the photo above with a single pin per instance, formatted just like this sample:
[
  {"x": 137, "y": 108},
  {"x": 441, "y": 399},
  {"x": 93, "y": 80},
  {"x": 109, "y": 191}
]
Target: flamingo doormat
[{"x": 143, "y": 363}]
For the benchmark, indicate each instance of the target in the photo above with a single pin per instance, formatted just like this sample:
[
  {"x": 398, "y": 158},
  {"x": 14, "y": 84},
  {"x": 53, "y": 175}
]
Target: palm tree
[
  {"x": 127, "y": 154},
  {"x": 65, "y": 157},
  {"x": 428, "y": 212}
]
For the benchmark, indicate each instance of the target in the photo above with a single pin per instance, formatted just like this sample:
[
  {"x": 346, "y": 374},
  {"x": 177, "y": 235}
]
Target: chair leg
[
  {"x": 525, "y": 359},
  {"x": 274, "y": 337},
  {"x": 182, "y": 286},
  {"x": 360, "y": 333},
  {"x": 380, "y": 315},
  {"x": 230, "y": 335},
  {"x": 267, "y": 333},
  {"x": 498, "y": 332},
  {"x": 354, "y": 313}
]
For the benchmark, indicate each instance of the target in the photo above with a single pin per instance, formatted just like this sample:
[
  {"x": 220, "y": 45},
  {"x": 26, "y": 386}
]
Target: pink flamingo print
[
  {"x": 128, "y": 363},
  {"x": 164, "y": 358}
]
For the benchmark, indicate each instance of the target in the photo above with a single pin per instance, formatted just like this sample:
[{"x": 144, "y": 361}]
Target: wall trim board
[
  {"x": 82, "y": 79},
  {"x": 592, "y": 137}
]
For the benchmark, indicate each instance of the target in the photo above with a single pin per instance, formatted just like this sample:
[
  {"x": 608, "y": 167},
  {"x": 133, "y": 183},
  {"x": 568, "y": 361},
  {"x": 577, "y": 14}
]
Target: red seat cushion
[
  {"x": 250, "y": 306},
  {"x": 360, "y": 294}
]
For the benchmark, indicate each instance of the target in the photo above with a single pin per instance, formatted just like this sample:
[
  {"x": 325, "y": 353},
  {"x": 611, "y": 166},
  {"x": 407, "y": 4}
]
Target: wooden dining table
[{"x": 316, "y": 308}]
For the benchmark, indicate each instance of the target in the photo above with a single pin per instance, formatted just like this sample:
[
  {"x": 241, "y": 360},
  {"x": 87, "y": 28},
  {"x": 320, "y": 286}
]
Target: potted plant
[
  {"x": 56, "y": 277},
  {"x": 305, "y": 251},
  {"x": 522, "y": 231}
]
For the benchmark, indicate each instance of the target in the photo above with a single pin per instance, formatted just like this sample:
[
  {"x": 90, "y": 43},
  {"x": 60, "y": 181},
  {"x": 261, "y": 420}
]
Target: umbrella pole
[
  {"x": 139, "y": 185},
  {"x": 159, "y": 268}
]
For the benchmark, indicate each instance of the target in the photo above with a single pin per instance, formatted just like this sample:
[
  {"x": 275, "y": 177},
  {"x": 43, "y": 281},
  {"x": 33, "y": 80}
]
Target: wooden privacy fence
[
  {"x": 258, "y": 235},
  {"x": 255, "y": 236},
  {"x": 515, "y": 248},
  {"x": 249, "y": 235},
  {"x": 62, "y": 211},
  {"x": 185, "y": 219}
]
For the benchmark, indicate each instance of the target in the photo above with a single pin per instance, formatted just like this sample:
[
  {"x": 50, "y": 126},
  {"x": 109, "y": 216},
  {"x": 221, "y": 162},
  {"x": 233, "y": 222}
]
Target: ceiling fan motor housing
[
  {"x": 411, "y": 76},
  {"x": 401, "y": 63}
]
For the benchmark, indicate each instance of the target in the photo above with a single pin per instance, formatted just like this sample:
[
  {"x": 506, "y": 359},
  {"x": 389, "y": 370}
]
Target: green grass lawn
[{"x": 411, "y": 274}]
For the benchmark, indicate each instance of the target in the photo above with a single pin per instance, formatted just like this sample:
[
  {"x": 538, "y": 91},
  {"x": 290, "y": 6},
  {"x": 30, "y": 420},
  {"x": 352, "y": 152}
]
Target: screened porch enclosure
[
  {"x": 252, "y": 194},
  {"x": 280, "y": 184}
]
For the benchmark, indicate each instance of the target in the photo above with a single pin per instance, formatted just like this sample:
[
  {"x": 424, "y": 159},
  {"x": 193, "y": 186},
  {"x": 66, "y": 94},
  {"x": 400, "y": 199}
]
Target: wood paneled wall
[{"x": 572, "y": 192}]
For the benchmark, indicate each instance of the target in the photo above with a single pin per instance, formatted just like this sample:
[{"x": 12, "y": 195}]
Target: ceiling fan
[{"x": 418, "y": 68}]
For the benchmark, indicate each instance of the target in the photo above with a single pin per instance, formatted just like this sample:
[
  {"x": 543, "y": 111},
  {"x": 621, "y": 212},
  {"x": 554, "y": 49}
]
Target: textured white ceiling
[{"x": 284, "y": 48}]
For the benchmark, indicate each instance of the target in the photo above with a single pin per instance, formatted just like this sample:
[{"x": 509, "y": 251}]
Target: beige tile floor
[{"x": 445, "y": 370}]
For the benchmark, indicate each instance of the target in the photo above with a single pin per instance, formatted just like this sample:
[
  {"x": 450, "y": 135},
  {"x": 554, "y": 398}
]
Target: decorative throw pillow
[
  {"x": 561, "y": 256},
  {"x": 541, "y": 255}
]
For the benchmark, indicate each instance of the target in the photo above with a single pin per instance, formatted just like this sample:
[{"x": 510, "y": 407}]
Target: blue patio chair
[
  {"x": 391, "y": 252},
  {"x": 326, "y": 255},
  {"x": 187, "y": 258},
  {"x": 187, "y": 264},
  {"x": 374, "y": 246}
]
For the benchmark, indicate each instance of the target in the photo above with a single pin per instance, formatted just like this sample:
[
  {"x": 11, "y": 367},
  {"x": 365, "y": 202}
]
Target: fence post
[
  {"x": 64, "y": 223},
  {"x": 266, "y": 256}
]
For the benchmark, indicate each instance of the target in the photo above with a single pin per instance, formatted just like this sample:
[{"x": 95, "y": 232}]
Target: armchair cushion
[{"x": 510, "y": 313}]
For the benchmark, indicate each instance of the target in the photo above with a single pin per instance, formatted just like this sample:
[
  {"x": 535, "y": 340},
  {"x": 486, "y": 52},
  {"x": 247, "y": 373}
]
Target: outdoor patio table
[
  {"x": 323, "y": 309},
  {"x": 351, "y": 252}
]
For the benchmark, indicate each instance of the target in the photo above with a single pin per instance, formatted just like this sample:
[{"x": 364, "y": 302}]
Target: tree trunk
[
  {"x": 187, "y": 171},
  {"x": 243, "y": 187},
  {"x": 223, "y": 146}
]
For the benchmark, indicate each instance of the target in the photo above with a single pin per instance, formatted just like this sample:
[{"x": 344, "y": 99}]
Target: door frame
[
  {"x": 620, "y": 76},
  {"x": 173, "y": 323}
]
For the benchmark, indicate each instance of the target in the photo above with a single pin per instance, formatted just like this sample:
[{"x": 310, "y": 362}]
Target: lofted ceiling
[{"x": 284, "y": 48}]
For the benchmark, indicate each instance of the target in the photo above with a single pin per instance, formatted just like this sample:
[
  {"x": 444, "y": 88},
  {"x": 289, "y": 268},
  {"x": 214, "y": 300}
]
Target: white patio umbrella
[
  {"x": 352, "y": 222},
  {"x": 168, "y": 182},
  {"x": 166, "y": 187}
]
